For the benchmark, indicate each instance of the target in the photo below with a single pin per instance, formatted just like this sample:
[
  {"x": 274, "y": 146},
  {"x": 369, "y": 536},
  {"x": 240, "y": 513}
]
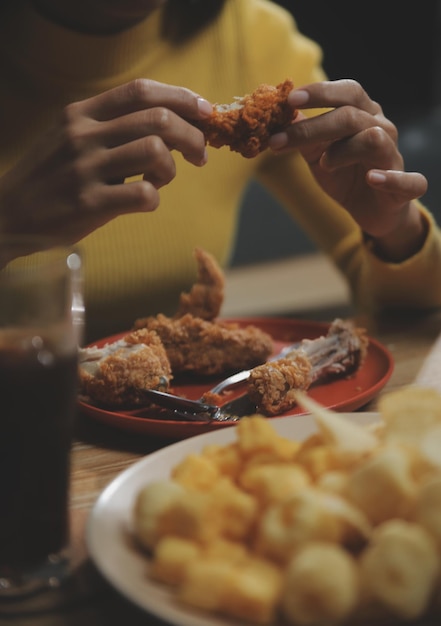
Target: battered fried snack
[
  {"x": 115, "y": 375},
  {"x": 272, "y": 386},
  {"x": 247, "y": 124},
  {"x": 206, "y": 296},
  {"x": 207, "y": 348},
  {"x": 251, "y": 530}
]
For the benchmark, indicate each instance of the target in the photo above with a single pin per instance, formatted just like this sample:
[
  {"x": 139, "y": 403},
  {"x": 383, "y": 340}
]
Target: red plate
[{"x": 346, "y": 394}]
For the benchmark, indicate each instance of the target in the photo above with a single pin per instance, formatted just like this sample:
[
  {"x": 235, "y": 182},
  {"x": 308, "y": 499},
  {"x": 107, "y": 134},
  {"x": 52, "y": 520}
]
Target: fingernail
[
  {"x": 298, "y": 97},
  {"x": 204, "y": 107},
  {"x": 278, "y": 141},
  {"x": 204, "y": 158},
  {"x": 377, "y": 177}
]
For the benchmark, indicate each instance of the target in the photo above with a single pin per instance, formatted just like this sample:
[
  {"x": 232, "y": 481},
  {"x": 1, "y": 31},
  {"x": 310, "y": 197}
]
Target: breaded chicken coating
[
  {"x": 115, "y": 375},
  {"x": 206, "y": 296},
  {"x": 272, "y": 386},
  {"x": 206, "y": 348},
  {"x": 247, "y": 124}
]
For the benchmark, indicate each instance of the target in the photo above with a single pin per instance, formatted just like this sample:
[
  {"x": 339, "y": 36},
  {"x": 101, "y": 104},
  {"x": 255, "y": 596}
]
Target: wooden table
[{"x": 304, "y": 287}]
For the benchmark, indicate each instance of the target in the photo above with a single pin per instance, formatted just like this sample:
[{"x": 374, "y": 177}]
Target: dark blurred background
[{"x": 393, "y": 49}]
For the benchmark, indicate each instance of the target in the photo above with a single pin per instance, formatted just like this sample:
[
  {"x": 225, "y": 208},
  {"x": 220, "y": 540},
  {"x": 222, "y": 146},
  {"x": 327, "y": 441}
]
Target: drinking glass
[{"x": 41, "y": 319}]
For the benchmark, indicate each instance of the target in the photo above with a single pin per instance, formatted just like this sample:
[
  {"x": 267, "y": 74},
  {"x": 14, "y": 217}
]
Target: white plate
[{"x": 108, "y": 530}]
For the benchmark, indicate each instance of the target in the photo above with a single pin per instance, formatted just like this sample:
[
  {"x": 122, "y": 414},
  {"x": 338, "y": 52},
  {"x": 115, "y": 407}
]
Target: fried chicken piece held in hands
[{"x": 247, "y": 124}]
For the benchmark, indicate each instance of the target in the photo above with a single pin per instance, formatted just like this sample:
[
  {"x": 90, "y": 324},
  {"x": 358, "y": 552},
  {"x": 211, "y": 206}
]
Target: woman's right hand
[{"x": 72, "y": 180}]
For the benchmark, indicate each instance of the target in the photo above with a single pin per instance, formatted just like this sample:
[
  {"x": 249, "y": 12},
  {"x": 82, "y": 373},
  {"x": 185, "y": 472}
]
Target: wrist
[{"x": 403, "y": 242}]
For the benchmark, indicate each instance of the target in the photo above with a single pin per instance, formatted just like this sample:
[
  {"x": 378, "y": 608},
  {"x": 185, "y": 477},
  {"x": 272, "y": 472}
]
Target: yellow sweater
[{"x": 138, "y": 264}]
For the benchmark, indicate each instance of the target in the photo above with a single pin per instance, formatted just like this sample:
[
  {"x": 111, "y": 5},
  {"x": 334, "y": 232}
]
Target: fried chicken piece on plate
[
  {"x": 194, "y": 341},
  {"x": 246, "y": 124},
  {"x": 115, "y": 375},
  {"x": 206, "y": 348},
  {"x": 272, "y": 386},
  {"x": 206, "y": 296}
]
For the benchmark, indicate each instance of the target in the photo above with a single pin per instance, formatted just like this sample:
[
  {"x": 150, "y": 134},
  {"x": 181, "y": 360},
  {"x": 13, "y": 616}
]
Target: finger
[
  {"x": 333, "y": 94},
  {"x": 175, "y": 132},
  {"x": 101, "y": 204},
  {"x": 141, "y": 94},
  {"x": 137, "y": 196},
  {"x": 331, "y": 126},
  {"x": 372, "y": 147},
  {"x": 409, "y": 184},
  {"x": 148, "y": 156}
]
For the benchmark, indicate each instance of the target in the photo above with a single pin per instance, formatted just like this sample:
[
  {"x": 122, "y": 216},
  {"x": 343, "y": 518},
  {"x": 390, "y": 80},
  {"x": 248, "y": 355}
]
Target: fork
[
  {"x": 199, "y": 410},
  {"x": 192, "y": 410},
  {"x": 243, "y": 375}
]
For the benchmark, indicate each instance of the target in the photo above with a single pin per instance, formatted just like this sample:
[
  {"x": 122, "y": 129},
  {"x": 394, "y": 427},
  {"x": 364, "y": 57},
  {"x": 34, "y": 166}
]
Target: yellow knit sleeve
[{"x": 378, "y": 285}]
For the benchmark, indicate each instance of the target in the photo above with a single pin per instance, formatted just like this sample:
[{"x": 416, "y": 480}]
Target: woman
[{"x": 89, "y": 101}]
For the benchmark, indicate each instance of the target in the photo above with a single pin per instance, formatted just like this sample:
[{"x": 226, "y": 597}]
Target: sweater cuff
[
  {"x": 377, "y": 284},
  {"x": 370, "y": 243}
]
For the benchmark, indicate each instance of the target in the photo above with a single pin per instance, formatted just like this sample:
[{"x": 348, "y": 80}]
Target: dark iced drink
[
  {"x": 38, "y": 397},
  {"x": 41, "y": 321}
]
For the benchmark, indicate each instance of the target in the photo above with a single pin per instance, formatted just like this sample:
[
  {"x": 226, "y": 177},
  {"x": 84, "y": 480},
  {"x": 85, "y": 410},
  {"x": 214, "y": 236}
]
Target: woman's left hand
[{"x": 352, "y": 151}]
